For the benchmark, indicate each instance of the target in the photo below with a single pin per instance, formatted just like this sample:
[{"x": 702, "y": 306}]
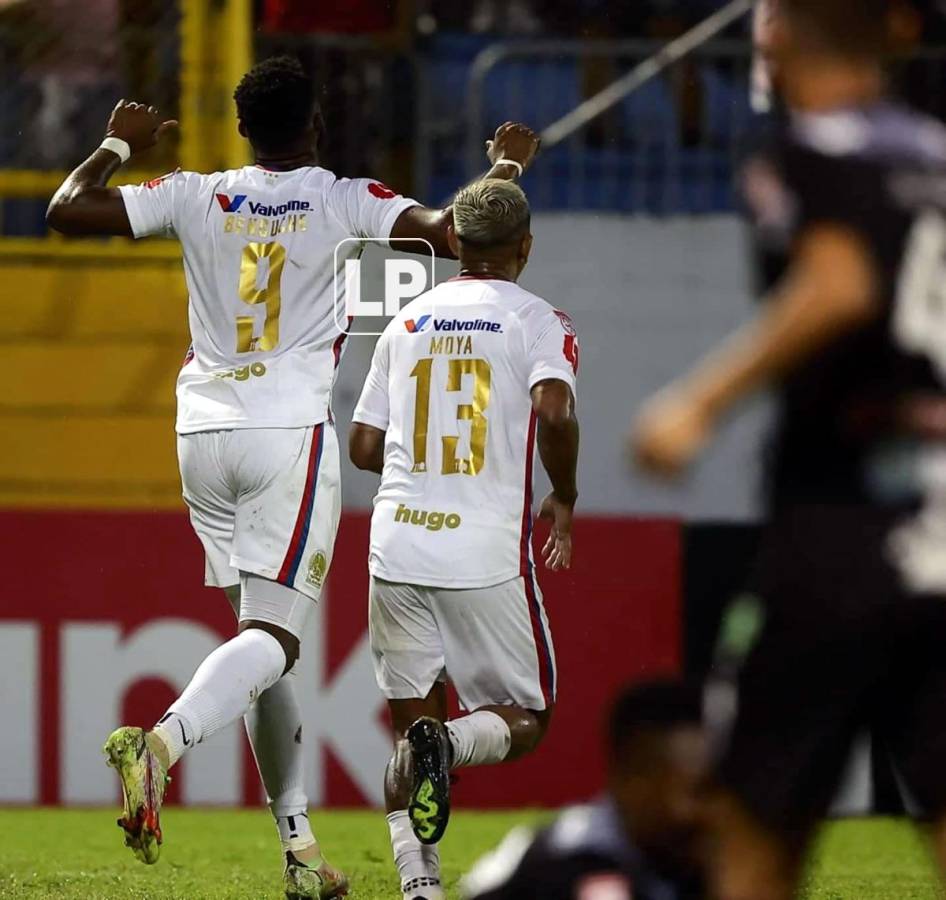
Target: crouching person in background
[{"x": 644, "y": 839}]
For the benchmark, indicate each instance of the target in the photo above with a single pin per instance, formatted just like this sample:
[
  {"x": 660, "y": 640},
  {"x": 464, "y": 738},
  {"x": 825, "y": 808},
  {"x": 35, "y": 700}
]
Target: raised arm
[
  {"x": 84, "y": 204},
  {"x": 512, "y": 141},
  {"x": 557, "y": 439},
  {"x": 830, "y": 289}
]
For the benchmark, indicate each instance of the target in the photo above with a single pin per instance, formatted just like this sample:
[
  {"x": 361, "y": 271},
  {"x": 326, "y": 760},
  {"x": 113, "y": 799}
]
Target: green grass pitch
[{"x": 211, "y": 854}]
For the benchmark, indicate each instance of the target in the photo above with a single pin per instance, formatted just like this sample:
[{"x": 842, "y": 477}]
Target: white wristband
[
  {"x": 510, "y": 162},
  {"x": 117, "y": 146}
]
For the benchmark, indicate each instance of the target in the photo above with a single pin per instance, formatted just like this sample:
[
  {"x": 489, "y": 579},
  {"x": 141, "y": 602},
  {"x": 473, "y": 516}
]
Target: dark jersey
[
  {"x": 584, "y": 855},
  {"x": 880, "y": 172}
]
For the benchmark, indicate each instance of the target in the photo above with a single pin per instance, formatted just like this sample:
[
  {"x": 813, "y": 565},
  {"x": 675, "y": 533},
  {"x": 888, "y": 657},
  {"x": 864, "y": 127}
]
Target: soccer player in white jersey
[
  {"x": 464, "y": 383},
  {"x": 258, "y": 453}
]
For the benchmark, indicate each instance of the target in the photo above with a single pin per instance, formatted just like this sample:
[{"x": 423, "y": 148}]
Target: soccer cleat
[
  {"x": 144, "y": 779},
  {"x": 429, "y": 809},
  {"x": 304, "y": 883}
]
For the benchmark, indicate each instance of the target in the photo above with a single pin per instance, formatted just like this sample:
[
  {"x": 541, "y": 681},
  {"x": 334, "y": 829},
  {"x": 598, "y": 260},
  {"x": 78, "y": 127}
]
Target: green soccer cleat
[
  {"x": 429, "y": 809},
  {"x": 144, "y": 779},
  {"x": 304, "y": 883}
]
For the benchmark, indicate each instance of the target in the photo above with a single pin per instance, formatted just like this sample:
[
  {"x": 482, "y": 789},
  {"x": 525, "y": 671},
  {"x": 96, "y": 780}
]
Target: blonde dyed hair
[{"x": 490, "y": 212}]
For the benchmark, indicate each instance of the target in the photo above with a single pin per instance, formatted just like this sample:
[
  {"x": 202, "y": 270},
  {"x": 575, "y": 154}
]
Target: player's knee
[
  {"x": 278, "y": 609},
  {"x": 543, "y": 718},
  {"x": 290, "y": 645},
  {"x": 527, "y": 728},
  {"x": 288, "y": 641}
]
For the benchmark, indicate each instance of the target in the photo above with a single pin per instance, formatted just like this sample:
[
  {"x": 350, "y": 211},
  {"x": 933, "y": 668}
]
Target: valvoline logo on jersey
[
  {"x": 232, "y": 204},
  {"x": 415, "y": 327},
  {"x": 418, "y": 326}
]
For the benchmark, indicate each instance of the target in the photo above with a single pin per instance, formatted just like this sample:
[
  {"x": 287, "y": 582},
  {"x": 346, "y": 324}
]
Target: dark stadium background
[{"x": 637, "y": 235}]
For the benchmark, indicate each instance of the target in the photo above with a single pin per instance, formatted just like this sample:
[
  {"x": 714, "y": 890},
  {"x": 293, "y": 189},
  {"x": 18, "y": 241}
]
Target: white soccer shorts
[
  {"x": 492, "y": 643},
  {"x": 265, "y": 501}
]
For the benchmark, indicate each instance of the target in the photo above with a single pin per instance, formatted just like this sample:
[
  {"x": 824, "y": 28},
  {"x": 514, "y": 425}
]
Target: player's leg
[
  {"x": 274, "y": 727},
  {"x": 418, "y": 864},
  {"x": 805, "y": 691},
  {"x": 221, "y": 690},
  {"x": 408, "y": 664},
  {"x": 913, "y": 715},
  {"x": 234, "y": 675},
  {"x": 751, "y": 861},
  {"x": 286, "y": 525},
  {"x": 478, "y": 739},
  {"x": 273, "y": 470},
  {"x": 499, "y": 652},
  {"x": 139, "y": 759}
]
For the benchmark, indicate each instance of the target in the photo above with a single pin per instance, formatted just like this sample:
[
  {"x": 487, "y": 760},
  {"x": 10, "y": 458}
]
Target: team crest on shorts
[{"x": 318, "y": 565}]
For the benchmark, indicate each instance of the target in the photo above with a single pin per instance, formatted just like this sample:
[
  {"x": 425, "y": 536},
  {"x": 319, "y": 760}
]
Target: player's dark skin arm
[
  {"x": 366, "y": 447},
  {"x": 831, "y": 289},
  {"x": 557, "y": 437},
  {"x": 511, "y": 141},
  {"x": 84, "y": 204}
]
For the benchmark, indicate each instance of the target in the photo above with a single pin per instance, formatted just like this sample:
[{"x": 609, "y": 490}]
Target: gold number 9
[{"x": 251, "y": 294}]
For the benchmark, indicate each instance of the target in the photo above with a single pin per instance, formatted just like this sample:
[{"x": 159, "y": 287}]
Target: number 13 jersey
[
  {"x": 260, "y": 263},
  {"x": 450, "y": 385}
]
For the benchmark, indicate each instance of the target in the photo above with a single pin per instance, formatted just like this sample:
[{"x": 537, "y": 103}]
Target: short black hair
[
  {"x": 276, "y": 102},
  {"x": 858, "y": 28},
  {"x": 650, "y": 708}
]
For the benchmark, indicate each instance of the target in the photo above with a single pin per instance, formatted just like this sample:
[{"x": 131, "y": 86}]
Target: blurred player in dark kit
[
  {"x": 644, "y": 839},
  {"x": 848, "y": 204}
]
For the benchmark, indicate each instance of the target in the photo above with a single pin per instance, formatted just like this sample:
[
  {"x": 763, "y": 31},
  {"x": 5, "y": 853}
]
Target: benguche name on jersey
[{"x": 258, "y": 227}]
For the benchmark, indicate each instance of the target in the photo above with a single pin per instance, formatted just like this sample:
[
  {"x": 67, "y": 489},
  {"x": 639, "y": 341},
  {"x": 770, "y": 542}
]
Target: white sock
[
  {"x": 274, "y": 727},
  {"x": 418, "y": 865},
  {"x": 479, "y": 739},
  {"x": 224, "y": 686}
]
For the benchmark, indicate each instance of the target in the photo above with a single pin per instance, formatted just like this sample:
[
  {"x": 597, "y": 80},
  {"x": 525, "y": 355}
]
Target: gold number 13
[
  {"x": 472, "y": 412},
  {"x": 269, "y": 294}
]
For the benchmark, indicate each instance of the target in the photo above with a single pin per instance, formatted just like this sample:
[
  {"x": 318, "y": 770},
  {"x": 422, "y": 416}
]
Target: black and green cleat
[{"x": 429, "y": 809}]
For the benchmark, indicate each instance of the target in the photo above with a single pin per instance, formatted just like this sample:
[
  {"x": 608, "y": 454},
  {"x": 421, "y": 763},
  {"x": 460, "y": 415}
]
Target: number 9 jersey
[
  {"x": 260, "y": 263},
  {"x": 450, "y": 385}
]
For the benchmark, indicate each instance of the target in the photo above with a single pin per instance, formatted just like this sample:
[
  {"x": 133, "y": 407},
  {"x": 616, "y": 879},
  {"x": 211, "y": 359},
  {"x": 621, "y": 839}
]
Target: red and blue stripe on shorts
[{"x": 300, "y": 533}]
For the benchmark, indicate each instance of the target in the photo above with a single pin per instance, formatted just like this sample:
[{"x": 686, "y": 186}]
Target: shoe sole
[
  {"x": 326, "y": 892},
  {"x": 141, "y": 824},
  {"x": 429, "y": 809}
]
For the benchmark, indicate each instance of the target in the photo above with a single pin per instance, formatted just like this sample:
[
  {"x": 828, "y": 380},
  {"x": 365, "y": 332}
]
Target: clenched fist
[
  {"x": 670, "y": 432},
  {"x": 140, "y": 126},
  {"x": 513, "y": 141}
]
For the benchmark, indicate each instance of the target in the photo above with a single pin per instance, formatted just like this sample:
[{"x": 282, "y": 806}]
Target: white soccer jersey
[
  {"x": 450, "y": 384},
  {"x": 260, "y": 263}
]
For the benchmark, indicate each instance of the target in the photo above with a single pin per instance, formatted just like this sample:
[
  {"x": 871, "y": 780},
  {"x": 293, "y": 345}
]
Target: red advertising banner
[{"x": 104, "y": 619}]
